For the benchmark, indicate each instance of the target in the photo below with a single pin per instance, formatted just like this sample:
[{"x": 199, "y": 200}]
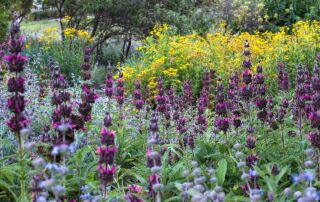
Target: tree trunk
[
  {"x": 61, "y": 15},
  {"x": 95, "y": 25},
  {"x": 123, "y": 49},
  {"x": 128, "y": 46}
]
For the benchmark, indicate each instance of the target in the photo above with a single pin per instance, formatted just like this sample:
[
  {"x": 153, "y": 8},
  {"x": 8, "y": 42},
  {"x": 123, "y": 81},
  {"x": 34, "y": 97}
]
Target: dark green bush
[{"x": 44, "y": 14}]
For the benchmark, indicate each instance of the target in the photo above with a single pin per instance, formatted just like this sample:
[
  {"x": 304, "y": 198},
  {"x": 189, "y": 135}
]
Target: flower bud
[
  {"x": 238, "y": 154},
  {"x": 29, "y": 145},
  {"x": 194, "y": 164},
  {"x": 157, "y": 187},
  {"x": 213, "y": 180},
  {"x": 198, "y": 187},
  {"x": 297, "y": 194},
  {"x": 308, "y": 164},
  {"x": 309, "y": 152},
  {"x": 37, "y": 163},
  {"x": 241, "y": 164},
  {"x": 245, "y": 176},
  {"x": 24, "y": 132},
  {"x": 237, "y": 146},
  {"x": 185, "y": 173},
  {"x": 218, "y": 189},
  {"x": 197, "y": 172},
  {"x": 270, "y": 196},
  {"x": 287, "y": 192},
  {"x": 155, "y": 169},
  {"x": 200, "y": 180}
]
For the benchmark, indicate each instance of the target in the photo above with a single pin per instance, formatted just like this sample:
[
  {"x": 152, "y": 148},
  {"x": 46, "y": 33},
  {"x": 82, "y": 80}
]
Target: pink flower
[{"x": 135, "y": 188}]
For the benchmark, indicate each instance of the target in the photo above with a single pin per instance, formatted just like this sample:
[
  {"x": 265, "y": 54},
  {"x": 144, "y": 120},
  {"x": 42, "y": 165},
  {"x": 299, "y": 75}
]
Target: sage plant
[
  {"x": 154, "y": 160},
  {"x": 16, "y": 103}
]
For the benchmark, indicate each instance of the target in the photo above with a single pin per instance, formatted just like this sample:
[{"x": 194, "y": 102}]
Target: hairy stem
[{"x": 22, "y": 170}]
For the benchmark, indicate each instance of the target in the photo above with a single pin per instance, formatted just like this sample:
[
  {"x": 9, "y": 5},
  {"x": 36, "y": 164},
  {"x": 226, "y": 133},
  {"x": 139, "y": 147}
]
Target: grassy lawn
[{"x": 35, "y": 28}]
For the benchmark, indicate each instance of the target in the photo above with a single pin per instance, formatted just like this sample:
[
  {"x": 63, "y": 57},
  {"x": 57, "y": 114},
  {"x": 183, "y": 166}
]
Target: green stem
[
  {"x": 282, "y": 138},
  {"x": 22, "y": 170}
]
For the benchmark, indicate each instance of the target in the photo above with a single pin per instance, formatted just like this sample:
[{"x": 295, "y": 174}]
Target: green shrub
[{"x": 68, "y": 55}]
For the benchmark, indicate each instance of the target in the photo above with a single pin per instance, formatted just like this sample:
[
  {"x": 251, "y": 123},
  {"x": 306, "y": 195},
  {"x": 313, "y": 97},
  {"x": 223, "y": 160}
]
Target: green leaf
[
  {"x": 271, "y": 184},
  {"x": 221, "y": 171},
  {"x": 6, "y": 186},
  {"x": 281, "y": 174},
  {"x": 178, "y": 186}
]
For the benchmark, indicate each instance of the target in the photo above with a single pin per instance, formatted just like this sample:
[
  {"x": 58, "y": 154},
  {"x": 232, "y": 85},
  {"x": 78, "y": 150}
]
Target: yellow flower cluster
[
  {"x": 66, "y": 19},
  {"x": 129, "y": 71},
  {"x": 170, "y": 72},
  {"x": 79, "y": 33},
  {"x": 48, "y": 36},
  {"x": 185, "y": 57},
  {"x": 159, "y": 29}
]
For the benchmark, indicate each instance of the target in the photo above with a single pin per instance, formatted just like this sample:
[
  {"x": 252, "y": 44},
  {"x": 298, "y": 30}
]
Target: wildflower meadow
[{"x": 174, "y": 113}]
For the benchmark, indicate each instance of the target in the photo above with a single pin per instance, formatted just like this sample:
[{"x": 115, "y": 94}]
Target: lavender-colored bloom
[
  {"x": 106, "y": 167},
  {"x": 106, "y": 155},
  {"x": 314, "y": 138},
  {"x": 154, "y": 159},
  {"x": 246, "y": 91},
  {"x": 251, "y": 142},
  {"x": 106, "y": 174},
  {"x": 88, "y": 95},
  {"x": 154, "y": 123},
  {"x": 251, "y": 160},
  {"x": 16, "y": 85},
  {"x": 181, "y": 126},
  {"x": 316, "y": 100},
  {"x": 261, "y": 103},
  {"x": 314, "y": 117},
  {"x": 187, "y": 93},
  {"x": 138, "y": 98},
  {"x": 236, "y": 122},
  {"x": 171, "y": 96},
  {"x": 107, "y": 121},
  {"x": 120, "y": 90},
  {"x": 109, "y": 85},
  {"x": 107, "y": 137},
  {"x": 283, "y": 78},
  {"x": 221, "y": 108},
  {"x": 259, "y": 77},
  {"x": 86, "y": 74},
  {"x": 15, "y": 60},
  {"x": 201, "y": 120},
  {"x": 161, "y": 97},
  {"x": 246, "y": 62},
  {"x": 247, "y": 76},
  {"x": 222, "y": 124}
]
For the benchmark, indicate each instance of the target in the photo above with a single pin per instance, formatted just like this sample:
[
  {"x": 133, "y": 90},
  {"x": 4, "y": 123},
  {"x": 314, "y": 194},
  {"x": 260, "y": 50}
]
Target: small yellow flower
[
  {"x": 66, "y": 19},
  {"x": 170, "y": 72}
]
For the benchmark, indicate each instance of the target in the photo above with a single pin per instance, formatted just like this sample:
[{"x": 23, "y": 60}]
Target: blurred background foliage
[{"x": 115, "y": 28}]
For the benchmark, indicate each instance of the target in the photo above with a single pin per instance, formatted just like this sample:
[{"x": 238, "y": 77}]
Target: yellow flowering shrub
[
  {"x": 178, "y": 58},
  {"x": 72, "y": 33}
]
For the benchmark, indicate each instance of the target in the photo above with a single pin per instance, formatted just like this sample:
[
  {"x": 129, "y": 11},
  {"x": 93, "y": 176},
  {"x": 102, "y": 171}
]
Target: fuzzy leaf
[{"x": 221, "y": 171}]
